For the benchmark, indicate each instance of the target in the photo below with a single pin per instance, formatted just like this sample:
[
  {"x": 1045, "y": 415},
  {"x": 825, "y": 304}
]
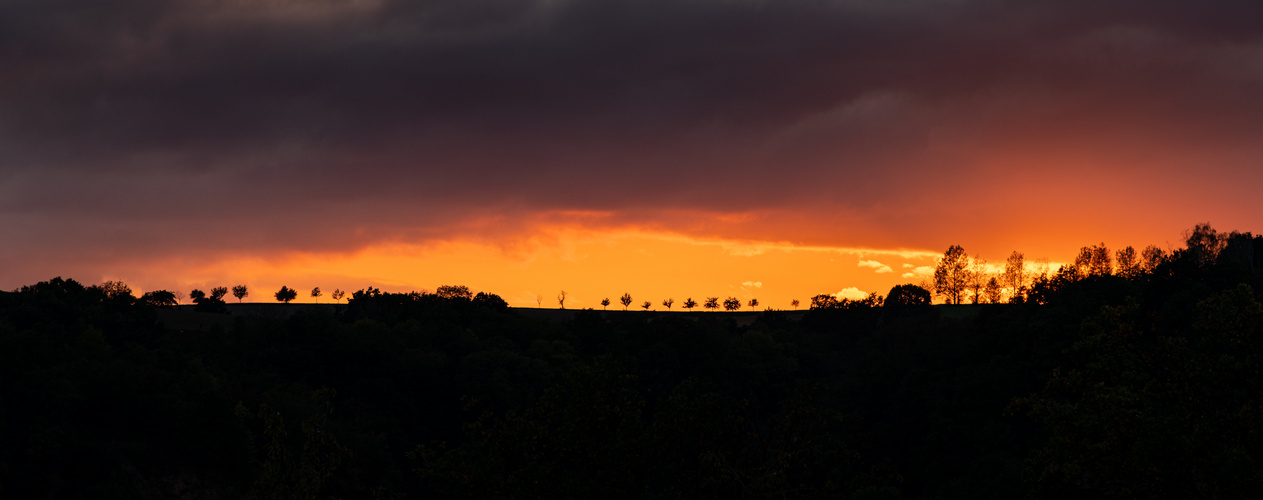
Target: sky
[{"x": 685, "y": 148}]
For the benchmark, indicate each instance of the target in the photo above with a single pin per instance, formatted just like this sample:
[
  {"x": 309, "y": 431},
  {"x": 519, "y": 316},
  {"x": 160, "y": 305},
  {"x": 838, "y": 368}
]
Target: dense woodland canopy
[{"x": 1126, "y": 375}]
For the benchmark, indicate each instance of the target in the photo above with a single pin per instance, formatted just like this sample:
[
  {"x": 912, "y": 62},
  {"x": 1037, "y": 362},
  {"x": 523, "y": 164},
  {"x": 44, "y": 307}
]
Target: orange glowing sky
[{"x": 659, "y": 148}]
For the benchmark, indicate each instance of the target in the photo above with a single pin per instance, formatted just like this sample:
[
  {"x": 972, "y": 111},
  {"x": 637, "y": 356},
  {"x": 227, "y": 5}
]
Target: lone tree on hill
[
  {"x": 647, "y": 305},
  {"x": 754, "y": 303},
  {"x": 286, "y": 294},
  {"x": 732, "y": 304},
  {"x": 605, "y": 303},
  {"x": 952, "y": 274},
  {"x": 669, "y": 302},
  {"x": 711, "y": 303},
  {"x": 561, "y": 299},
  {"x": 337, "y": 295},
  {"x": 315, "y": 293},
  {"x": 794, "y": 303},
  {"x": 689, "y": 303},
  {"x": 240, "y": 292},
  {"x": 625, "y": 300}
]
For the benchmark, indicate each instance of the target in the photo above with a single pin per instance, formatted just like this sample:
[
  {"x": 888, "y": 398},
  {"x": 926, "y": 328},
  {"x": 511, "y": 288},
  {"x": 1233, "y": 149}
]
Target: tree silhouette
[
  {"x": 976, "y": 280},
  {"x": 1151, "y": 257},
  {"x": 993, "y": 291},
  {"x": 732, "y": 304},
  {"x": 625, "y": 300},
  {"x": 159, "y": 298},
  {"x": 539, "y": 300},
  {"x": 605, "y": 303},
  {"x": 213, "y": 304},
  {"x": 1014, "y": 276},
  {"x": 907, "y": 296},
  {"x": 689, "y": 303},
  {"x": 951, "y": 274},
  {"x": 286, "y": 294},
  {"x": 1094, "y": 261},
  {"x": 712, "y": 303},
  {"x": 824, "y": 301},
  {"x": 669, "y": 302},
  {"x": 454, "y": 292},
  {"x": 115, "y": 290},
  {"x": 647, "y": 305},
  {"x": 337, "y": 295},
  {"x": 754, "y": 303},
  {"x": 315, "y": 293},
  {"x": 490, "y": 301},
  {"x": 1204, "y": 243},
  {"x": 794, "y": 303},
  {"x": 1128, "y": 263},
  {"x": 240, "y": 292},
  {"x": 561, "y": 299}
]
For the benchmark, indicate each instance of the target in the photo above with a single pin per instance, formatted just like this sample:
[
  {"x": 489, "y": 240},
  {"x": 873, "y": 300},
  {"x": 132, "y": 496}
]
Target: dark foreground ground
[{"x": 1095, "y": 387}]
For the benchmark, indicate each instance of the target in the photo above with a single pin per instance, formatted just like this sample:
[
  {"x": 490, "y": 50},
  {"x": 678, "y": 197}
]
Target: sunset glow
[{"x": 662, "y": 149}]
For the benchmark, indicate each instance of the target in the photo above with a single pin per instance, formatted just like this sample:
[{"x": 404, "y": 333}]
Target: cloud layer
[{"x": 197, "y": 127}]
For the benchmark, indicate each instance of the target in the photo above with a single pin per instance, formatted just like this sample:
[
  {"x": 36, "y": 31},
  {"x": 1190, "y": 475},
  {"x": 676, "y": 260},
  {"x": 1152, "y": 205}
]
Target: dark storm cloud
[{"x": 328, "y": 123}]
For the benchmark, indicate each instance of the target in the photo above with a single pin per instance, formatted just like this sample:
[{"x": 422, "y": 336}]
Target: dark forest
[{"x": 1096, "y": 381}]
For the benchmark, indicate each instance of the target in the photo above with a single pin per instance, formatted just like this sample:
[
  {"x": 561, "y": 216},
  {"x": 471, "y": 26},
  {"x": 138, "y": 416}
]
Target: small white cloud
[
  {"x": 909, "y": 275},
  {"x": 877, "y": 266},
  {"x": 851, "y": 293},
  {"x": 908, "y": 266},
  {"x": 924, "y": 271},
  {"x": 756, "y": 284}
]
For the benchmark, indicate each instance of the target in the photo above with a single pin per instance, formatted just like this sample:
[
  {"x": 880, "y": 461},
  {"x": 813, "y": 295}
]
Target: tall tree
[
  {"x": 994, "y": 292},
  {"x": 794, "y": 303},
  {"x": 951, "y": 274},
  {"x": 1014, "y": 277},
  {"x": 315, "y": 294},
  {"x": 561, "y": 299},
  {"x": 976, "y": 279},
  {"x": 1151, "y": 257},
  {"x": 337, "y": 295},
  {"x": 1128, "y": 263},
  {"x": 1094, "y": 261},
  {"x": 669, "y": 302},
  {"x": 753, "y": 303},
  {"x": 1204, "y": 243},
  {"x": 732, "y": 304},
  {"x": 625, "y": 300},
  {"x": 605, "y": 303},
  {"x": 240, "y": 292}
]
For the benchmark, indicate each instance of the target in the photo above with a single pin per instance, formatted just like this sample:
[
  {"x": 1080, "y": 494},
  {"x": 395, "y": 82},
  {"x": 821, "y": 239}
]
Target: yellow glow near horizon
[{"x": 588, "y": 264}]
